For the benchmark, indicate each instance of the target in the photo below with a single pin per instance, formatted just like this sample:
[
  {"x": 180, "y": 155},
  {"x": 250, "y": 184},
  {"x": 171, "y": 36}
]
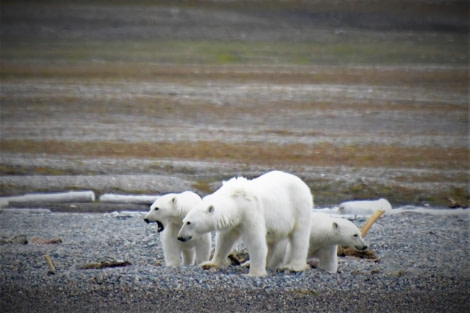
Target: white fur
[
  {"x": 326, "y": 234},
  {"x": 366, "y": 207},
  {"x": 261, "y": 212},
  {"x": 170, "y": 209}
]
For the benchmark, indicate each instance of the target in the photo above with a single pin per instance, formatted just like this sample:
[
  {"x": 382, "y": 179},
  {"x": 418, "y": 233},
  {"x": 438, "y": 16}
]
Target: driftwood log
[
  {"x": 50, "y": 264},
  {"x": 44, "y": 241},
  {"x": 128, "y": 199},
  {"x": 61, "y": 197},
  {"x": 455, "y": 204},
  {"x": 105, "y": 264},
  {"x": 371, "y": 220}
]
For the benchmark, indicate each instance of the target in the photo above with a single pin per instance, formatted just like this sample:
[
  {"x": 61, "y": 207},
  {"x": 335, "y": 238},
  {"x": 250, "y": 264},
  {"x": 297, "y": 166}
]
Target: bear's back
[
  {"x": 321, "y": 223},
  {"x": 277, "y": 180},
  {"x": 188, "y": 200}
]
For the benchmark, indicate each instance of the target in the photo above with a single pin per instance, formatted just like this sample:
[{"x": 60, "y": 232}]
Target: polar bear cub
[
  {"x": 326, "y": 234},
  {"x": 262, "y": 212},
  {"x": 168, "y": 212}
]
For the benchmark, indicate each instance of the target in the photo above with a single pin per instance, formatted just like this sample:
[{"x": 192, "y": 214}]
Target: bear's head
[
  {"x": 215, "y": 212},
  {"x": 165, "y": 209},
  {"x": 349, "y": 235}
]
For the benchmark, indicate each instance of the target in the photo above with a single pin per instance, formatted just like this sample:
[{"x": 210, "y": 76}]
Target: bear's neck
[
  {"x": 327, "y": 237},
  {"x": 228, "y": 221}
]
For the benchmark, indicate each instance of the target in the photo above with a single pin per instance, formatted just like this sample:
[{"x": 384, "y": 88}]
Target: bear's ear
[{"x": 210, "y": 209}]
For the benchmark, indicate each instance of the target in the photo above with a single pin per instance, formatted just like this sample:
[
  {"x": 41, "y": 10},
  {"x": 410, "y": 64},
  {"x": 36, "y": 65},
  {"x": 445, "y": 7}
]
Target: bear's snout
[
  {"x": 184, "y": 239},
  {"x": 146, "y": 220},
  {"x": 361, "y": 247}
]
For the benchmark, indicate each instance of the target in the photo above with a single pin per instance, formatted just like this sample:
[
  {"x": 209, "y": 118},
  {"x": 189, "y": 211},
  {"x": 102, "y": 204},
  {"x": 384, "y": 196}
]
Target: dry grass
[{"x": 324, "y": 154}]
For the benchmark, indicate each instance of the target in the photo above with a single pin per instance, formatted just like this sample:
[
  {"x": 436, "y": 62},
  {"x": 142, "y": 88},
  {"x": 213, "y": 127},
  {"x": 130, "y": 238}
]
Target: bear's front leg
[
  {"x": 203, "y": 249},
  {"x": 255, "y": 242},
  {"x": 224, "y": 243},
  {"x": 171, "y": 250},
  {"x": 328, "y": 259},
  {"x": 188, "y": 255}
]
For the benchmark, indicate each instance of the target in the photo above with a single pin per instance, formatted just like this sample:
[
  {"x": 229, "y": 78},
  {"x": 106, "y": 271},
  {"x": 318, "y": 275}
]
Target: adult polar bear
[
  {"x": 261, "y": 212},
  {"x": 168, "y": 211}
]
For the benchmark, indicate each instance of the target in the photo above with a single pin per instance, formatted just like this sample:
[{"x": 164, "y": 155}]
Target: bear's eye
[
  {"x": 155, "y": 208},
  {"x": 356, "y": 235},
  {"x": 188, "y": 223}
]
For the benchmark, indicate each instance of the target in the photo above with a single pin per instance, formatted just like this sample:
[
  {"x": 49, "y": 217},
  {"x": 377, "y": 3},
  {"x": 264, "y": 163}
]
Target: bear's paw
[
  {"x": 253, "y": 273},
  {"x": 294, "y": 268},
  {"x": 208, "y": 265}
]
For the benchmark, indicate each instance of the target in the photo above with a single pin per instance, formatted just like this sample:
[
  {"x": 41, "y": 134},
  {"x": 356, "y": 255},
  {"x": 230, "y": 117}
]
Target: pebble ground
[{"x": 423, "y": 266}]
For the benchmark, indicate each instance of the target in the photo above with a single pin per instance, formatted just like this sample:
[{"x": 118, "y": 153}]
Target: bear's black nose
[{"x": 146, "y": 220}]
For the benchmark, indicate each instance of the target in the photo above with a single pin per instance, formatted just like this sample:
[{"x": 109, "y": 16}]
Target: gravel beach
[{"x": 422, "y": 266}]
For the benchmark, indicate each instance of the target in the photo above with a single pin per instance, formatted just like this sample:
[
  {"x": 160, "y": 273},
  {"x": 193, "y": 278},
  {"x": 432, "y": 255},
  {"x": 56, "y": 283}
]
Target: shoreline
[
  {"x": 126, "y": 208},
  {"x": 331, "y": 185}
]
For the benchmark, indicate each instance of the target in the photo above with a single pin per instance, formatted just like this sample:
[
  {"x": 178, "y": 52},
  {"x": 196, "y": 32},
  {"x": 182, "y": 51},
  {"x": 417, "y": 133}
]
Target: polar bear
[
  {"x": 168, "y": 212},
  {"x": 326, "y": 234},
  {"x": 260, "y": 212}
]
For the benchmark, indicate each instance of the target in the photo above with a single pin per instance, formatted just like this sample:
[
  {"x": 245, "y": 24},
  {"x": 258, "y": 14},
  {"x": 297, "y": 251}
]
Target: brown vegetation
[
  {"x": 324, "y": 154},
  {"x": 443, "y": 78}
]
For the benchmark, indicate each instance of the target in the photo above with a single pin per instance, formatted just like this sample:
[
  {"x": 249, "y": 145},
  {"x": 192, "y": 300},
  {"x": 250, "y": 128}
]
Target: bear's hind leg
[
  {"x": 296, "y": 260},
  {"x": 277, "y": 253}
]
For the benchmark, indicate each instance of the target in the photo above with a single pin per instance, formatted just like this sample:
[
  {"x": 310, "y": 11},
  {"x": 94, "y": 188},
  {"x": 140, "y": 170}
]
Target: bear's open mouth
[{"x": 160, "y": 226}]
